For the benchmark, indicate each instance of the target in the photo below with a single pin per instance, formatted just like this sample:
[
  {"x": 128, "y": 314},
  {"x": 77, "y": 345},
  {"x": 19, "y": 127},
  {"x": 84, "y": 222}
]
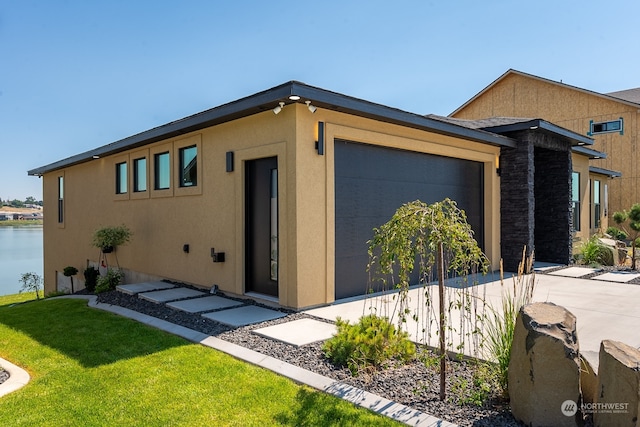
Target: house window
[
  {"x": 121, "y": 178},
  {"x": 605, "y": 127},
  {"x": 575, "y": 199},
  {"x": 60, "y": 199},
  {"x": 140, "y": 175},
  {"x": 597, "y": 209},
  {"x": 188, "y": 166},
  {"x": 161, "y": 177}
]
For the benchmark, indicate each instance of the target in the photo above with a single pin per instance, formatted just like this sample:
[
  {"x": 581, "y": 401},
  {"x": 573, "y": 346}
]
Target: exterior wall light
[
  {"x": 278, "y": 108},
  {"x": 310, "y": 107}
]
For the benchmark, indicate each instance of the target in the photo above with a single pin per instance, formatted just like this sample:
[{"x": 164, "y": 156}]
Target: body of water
[{"x": 20, "y": 252}]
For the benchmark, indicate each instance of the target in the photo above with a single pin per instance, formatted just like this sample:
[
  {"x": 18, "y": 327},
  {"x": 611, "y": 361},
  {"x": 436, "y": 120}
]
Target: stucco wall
[{"x": 212, "y": 214}]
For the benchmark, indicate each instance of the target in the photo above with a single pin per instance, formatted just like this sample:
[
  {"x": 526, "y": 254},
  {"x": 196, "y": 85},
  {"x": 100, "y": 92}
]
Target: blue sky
[{"x": 75, "y": 75}]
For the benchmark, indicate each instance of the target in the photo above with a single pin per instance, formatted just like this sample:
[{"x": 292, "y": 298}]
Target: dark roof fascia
[
  {"x": 521, "y": 73},
  {"x": 269, "y": 99},
  {"x": 543, "y": 125},
  {"x": 589, "y": 152},
  {"x": 603, "y": 171}
]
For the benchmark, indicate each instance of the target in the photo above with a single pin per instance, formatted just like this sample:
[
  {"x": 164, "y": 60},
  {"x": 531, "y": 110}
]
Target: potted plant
[
  {"x": 107, "y": 238},
  {"x": 69, "y": 272}
]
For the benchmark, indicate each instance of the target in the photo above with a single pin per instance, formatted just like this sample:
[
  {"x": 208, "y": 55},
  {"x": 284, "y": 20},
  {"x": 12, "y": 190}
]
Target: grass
[{"x": 93, "y": 368}]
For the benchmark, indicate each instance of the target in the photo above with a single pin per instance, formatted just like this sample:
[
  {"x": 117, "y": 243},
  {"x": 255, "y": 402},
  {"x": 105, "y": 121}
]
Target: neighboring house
[
  {"x": 612, "y": 120},
  {"x": 291, "y": 198}
]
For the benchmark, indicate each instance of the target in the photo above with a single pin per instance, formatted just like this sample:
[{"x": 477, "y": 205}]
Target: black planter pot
[{"x": 107, "y": 249}]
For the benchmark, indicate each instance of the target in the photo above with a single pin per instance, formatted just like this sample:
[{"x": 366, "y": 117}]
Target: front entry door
[{"x": 261, "y": 226}]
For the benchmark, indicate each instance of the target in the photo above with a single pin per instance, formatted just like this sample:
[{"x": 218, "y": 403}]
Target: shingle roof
[{"x": 631, "y": 95}]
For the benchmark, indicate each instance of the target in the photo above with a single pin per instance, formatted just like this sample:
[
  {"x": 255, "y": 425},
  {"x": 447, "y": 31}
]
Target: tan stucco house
[
  {"x": 275, "y": 195},
  {"x": 611, "y": 119}
]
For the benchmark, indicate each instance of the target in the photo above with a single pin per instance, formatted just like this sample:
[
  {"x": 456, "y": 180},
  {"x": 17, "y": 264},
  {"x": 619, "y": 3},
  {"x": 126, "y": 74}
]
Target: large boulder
[
  {"x": 544, "y": 371},
  {"x": 589, "y": 376},
  {"x": 618, "y": 386}
]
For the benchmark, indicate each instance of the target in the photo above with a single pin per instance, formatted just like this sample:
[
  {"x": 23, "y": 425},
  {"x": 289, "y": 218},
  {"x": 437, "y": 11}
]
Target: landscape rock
[
  {"x": 544, "y": 371},
  {"x": 588, "y": 380},
  {"x": 618, "y": 385}
]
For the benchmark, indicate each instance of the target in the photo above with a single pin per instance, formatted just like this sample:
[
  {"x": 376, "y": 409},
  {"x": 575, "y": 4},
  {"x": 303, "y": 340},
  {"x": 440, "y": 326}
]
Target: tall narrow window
[
  {"x": 188, "y": 166},
  {"x": 575, "y": 199},
  {"x": 161, "y": 179},
  {"x": 121, "y": 178},
  {"x": 60, "y": 199},
  {"x": 140, "y": 175},
  {"x": 596, "y": 204}
]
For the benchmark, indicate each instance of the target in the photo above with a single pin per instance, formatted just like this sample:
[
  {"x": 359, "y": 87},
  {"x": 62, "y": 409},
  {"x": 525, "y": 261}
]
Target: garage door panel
[{"x": 372, "y": 182}]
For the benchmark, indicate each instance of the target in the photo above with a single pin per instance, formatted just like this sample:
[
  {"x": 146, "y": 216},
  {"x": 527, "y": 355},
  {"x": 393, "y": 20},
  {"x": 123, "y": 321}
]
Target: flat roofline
[
  {"x": 543, "y": 125},
  {"x": 603, "y": 171},
  {"x": 269, "y": 99}
]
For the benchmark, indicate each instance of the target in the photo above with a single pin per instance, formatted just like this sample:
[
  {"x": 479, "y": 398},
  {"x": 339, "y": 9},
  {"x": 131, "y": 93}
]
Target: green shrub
[
  {"x": 594, "y": 252},
  {"x": 370, "y": 343},
  {"x": 109, "y": 281},
  {"x": 91, "y": 278},
  {"x": 483, "y": 383},
  {"x": 616, "y": 233}
]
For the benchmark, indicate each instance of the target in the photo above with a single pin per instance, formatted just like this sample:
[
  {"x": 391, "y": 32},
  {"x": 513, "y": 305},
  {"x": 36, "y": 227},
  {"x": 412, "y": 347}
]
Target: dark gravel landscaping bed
[
  {"x": 415, "y": 384},
  {"x": 4, "y": 375}
]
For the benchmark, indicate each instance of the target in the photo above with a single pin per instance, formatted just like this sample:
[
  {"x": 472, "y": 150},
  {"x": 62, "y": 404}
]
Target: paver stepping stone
[
  {"x": 197, "y": 305},
  {"x": 617, "y": 276},
  {"x": 170, "y": 295},
  {"x": 243, "y": 316},
  {"x": 136, "y": 288},
  {"x": 574, "y": 271},
  {"x": 299, "y": 332}
]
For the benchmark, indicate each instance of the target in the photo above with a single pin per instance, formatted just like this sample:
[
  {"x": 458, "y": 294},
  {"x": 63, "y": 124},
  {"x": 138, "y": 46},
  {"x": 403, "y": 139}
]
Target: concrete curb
[
  {"x": 18, "y": 378},
  {"x": 378, "y": 404}
]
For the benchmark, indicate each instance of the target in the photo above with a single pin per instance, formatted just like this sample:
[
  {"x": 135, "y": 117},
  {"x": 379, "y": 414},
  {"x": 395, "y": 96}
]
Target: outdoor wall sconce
[
  {"x": 278, "y": 108},
  {"x": 217, "y": 256},
  {"x": 185, "y": 248},
  {"x": 311, "y": 107},
  {"x": 320, "y": 141},
  {"x": 229, "y": 161}
]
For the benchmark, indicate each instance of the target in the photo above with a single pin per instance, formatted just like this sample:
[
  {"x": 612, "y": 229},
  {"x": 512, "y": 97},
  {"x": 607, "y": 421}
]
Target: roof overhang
[
  {"x": 589, "y": 152},
  {"x": 544, "y": 126},
  {"x": 269, "y": 99},
  {"x": 606, "y": 172}
]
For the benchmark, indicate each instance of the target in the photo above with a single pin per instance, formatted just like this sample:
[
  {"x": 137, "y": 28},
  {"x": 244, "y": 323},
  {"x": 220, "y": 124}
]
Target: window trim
[
  {"x": 157, "y": 169},
  {"x": 135, "y": 180},
  {"x": 193, "y": 190},
  {"x": 182, "y": 167},
  {"x": 593, "y": 124},
  {"x": 114, "y": 178},
  {"x": 151, "y": 170}
]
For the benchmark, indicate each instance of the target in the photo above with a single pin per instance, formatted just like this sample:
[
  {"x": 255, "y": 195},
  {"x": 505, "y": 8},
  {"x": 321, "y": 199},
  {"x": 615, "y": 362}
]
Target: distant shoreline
[{"x": 21, "y": 223}]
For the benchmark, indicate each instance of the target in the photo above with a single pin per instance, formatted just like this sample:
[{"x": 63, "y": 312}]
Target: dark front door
[{"x": 261, "y": 226}]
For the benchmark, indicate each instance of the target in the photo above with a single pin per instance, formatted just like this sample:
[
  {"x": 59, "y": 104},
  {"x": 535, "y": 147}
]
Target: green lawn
[{"x": 93, "y": 368}]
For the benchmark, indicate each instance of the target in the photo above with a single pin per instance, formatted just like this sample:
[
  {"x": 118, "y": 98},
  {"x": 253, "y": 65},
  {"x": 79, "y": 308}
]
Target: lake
[{"x": 20, "y": 252}]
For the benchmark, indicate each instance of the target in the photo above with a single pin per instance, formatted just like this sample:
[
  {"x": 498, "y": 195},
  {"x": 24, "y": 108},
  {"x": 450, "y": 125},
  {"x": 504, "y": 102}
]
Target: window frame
[
  {"x": 157, "y": 169},
  {"x": 178, "y": 146},
  {"x": 575, "y": 200},
  {"x": 61, "y": 216},
  {"x": 182, "y": 167},
  {"x": 604, "y": 124},
  {"x": 151, "y": 170},
  {"x": 137, "y": 175},
  {"x": 122, "y": 178}
]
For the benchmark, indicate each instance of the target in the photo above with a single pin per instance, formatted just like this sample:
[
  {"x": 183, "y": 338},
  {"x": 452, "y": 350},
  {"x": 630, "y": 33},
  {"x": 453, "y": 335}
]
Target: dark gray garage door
[{"x": 371, "y": 182}]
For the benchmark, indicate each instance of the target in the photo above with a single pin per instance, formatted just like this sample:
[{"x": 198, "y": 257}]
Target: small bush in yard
[
  {"x": 616, "y": 233},
  {"x": 109, "y": 282},
  {"x": 368, "y": 344},
  {"x": 593, "y": 252}
]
